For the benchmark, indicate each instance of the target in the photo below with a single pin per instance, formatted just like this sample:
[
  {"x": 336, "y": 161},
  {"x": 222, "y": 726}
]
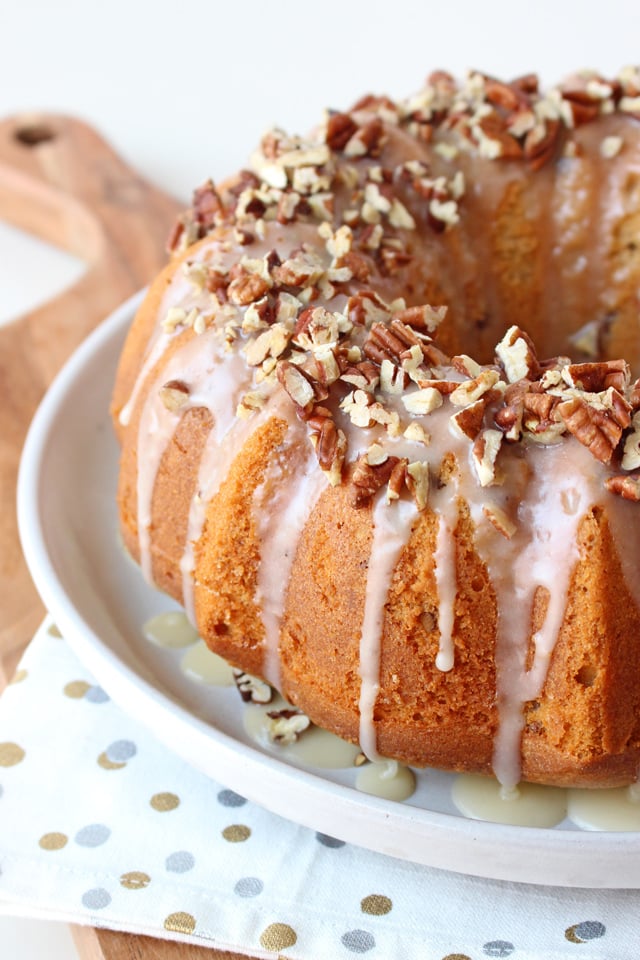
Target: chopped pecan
[
  {"x": 423, "y": 317},
  {"x": 469, "y": 421},
  {"x": 504, "y": 95},
  {"x": 285, "y": 726},
  {"x": 207, "y": 206},
  {"x": 330, "y": 446},
  {"x": 247, "y": 288},
  {"x": 252, "y": 689},
  {"x": 363, "y": 376},
  {"x": 393, "y": 259},
  {"x": 176, "y": 234},
  {"x": 393, "y": 379},
  {"x": 423, "y": 401},
  {"x": 541, "y": 147},
  {"x": 484, "y": 453},
  {"x": 596, "y": 377},
  {"x": 627, "y": 487},
  {"x": 499, "y": 519},
  {"x": 297, "y": 384},
  {"x": 582, "y": 112},
  {"x": 541, "y": 405},
  {"x": 174, "y": 395},
  {"x": 272, "y": 342},
  {"x": 367, "y": 141},
  {"x": 631, "y": 454},
  {"x": 417, "y": 481},
  {"x": 396, "y": 482},
  {"x": 382, "y": 345},
  {"x": 596, "y": 429},
  {"x": 517, "y": 355},
  {"x": 368, "y": 478},
  {"x": 298, "y": 270},
  {"x": 634, "y": 395},
  {"x": 466, "y": 365},
  {"x": 445, "y": 387},
  {"x": 361, "y": 267},
  {"x": 340, "y": 128},
  {"x": 471, "y": 390},
  {"x": 494, "y": 130},
  {"x": 358, "y": 406},
  {"x": 366, "y": 307}
]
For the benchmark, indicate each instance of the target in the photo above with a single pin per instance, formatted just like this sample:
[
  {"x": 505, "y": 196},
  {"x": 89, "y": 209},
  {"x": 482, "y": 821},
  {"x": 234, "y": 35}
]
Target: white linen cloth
[{"x": 101, "y": 824}]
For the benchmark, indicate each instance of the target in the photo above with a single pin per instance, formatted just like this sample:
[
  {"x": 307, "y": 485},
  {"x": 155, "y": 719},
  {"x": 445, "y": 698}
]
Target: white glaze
[
  {"x": 387, "y": 779},
  {"x": 171, "y": 630},
  {"x": 527, "y": 805},
  {"x": 315, "y": 747},
  {"x": 391, "y": 531},
  {"x": 201, "y": 664},
  {"x": 446, "y": 581},
  {"x": 281, "y": 506}
]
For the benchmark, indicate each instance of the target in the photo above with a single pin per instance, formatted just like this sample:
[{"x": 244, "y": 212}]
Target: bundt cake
[{"x": 342, "y": 452}]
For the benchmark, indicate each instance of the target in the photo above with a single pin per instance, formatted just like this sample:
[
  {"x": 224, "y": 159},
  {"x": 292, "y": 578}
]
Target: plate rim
[{"x": 451, "y": 837}]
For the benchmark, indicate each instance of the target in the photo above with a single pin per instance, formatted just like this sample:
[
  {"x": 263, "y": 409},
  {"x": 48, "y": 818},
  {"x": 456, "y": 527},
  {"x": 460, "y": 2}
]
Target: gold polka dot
[
  {"x": 53, "y": 631},
  {"x": 376, "y": 905},
  {"x": 19, "y": 676},
  {"x": 76, "y": 689},
  {"x": 456, "y": 956},
  {"x": 164, "y": 801},
  {"x": 135, "y": 880},
  {"x": 106, "y": 764},
  {"x": 236, "y": 833},
  {"x": 278, "y": 936},
  {"x": 10, "y": 754},
  {"x": 53, "y": 841},
  {"x": 180, "y": 922}
]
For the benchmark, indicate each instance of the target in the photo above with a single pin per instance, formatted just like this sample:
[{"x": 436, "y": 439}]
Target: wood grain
[
  {"x": 107, "y": 945},
  {"x": 60, "y": 181}
]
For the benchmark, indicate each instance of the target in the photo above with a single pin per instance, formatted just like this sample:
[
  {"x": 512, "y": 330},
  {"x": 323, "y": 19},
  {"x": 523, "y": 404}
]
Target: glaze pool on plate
[{"x": 68, "y": 521}]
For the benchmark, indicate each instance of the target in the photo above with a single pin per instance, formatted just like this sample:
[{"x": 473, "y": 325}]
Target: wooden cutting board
[{"x": 60, "y": 181}]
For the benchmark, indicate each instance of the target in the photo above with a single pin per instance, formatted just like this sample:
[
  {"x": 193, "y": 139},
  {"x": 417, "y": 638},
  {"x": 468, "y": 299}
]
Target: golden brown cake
[{"x": 404, "y": 517}]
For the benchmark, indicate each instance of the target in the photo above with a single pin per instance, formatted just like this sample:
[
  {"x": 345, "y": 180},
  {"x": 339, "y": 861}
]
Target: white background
[{"x": 183, "y": 90}]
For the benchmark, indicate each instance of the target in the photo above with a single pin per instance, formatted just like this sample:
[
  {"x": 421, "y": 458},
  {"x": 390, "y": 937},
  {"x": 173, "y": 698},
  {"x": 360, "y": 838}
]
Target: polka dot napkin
[{"x": 100, "y": 824}]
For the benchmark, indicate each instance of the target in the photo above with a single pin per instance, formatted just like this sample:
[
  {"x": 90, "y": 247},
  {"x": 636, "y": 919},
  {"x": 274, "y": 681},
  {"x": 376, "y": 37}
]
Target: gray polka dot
[
  {"x": 328, "y": 841},
  {"x": 590, "y": 930},
  {"x": 230, "y": 799},
  {"x": 1, "y": 789},
  {"x": 180, "y": 861},
  {"x": 498, "y": 948},
  {"x": 358, "y": 941},
  {"x": 96, "y": 899},
  {"x": 96, "y": 695},
  {"x": 120, "y": 751},
  {"x": 93, "y": 835},
  {"x": 249, "y": 887}
]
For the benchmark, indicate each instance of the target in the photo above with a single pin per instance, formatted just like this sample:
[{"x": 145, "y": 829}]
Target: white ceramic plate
[{"x": 68, "y": 526}]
